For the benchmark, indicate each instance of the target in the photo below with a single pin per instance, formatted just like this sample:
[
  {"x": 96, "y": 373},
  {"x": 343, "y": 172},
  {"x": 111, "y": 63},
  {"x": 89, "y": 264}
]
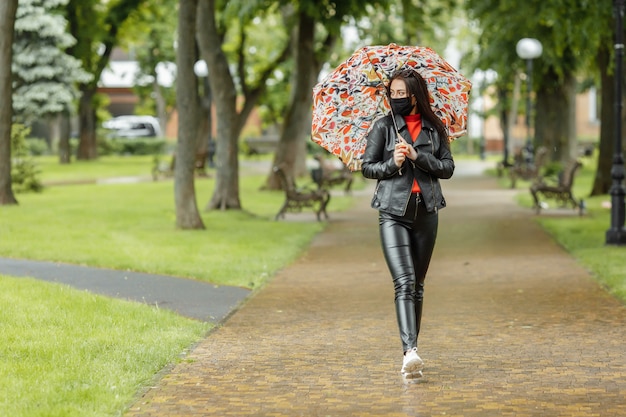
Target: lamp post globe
[
  {"x": 200, "y": 68},
  {"x": 528, "y": 49}
]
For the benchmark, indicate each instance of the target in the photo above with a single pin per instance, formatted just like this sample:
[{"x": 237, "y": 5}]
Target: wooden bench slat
[
  {"x": 560, "y": 191},
  {"x": 298, "y": 198}
]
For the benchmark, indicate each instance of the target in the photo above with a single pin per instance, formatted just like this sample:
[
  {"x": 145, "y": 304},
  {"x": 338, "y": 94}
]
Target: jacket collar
[{"x": 401, "y": 123}]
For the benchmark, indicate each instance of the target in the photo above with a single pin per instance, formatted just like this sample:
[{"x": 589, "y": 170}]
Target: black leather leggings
[{"x": 408, "y": 242}]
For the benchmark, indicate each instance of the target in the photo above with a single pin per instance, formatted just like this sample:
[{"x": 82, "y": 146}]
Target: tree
[
  {"x": 291, "y": 148},
  {"x": 603, "y": 60},
  {"x": 45, "y": 76},
  {"x": 226, "y": 87},
  {"x": 576, "y": 38},
  {"x": 95, "y": 24},
  {"x": 187, "y": 216},
  {"x": 563, "y": 27},
  {"x": 424, "y": 21},
  {"x": 8, "y": 10},
  {"x": 602, "y": 181},
  {"x": 149, "y": 36},
  {"x": 315, "y": 17}
]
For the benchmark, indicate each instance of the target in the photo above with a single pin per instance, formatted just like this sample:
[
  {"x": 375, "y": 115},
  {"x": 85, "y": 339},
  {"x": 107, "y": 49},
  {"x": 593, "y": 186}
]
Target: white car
[{"x": 134, "y": 127}]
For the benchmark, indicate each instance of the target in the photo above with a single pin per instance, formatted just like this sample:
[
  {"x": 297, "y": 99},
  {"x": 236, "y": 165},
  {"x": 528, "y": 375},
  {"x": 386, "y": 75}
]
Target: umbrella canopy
[{"x": 349, "y": 100}]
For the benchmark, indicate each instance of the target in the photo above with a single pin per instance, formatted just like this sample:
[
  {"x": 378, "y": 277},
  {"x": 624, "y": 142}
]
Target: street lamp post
[
  {"x": 528, "y": 49},
  {"x": 616, "y": 235}
]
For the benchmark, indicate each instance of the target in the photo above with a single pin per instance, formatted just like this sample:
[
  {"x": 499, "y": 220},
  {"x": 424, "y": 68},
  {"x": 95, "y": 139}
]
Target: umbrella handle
[{"x": 393, "y": 117}]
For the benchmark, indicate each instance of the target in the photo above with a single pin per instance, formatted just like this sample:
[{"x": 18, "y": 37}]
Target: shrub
[
  {"x": 108, "y": 146},
  {"x": 24, "y": 171},
  {"x": 148, "y": 146},
  {"x": 122, "y": 146},
  {"x": 37, "y": 146}
]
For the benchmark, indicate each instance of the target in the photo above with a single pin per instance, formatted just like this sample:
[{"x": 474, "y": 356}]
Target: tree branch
[{"x": 241, "y": 61}]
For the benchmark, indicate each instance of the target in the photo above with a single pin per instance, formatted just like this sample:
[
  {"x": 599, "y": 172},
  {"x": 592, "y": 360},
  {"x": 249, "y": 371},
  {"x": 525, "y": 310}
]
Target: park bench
[
  {"x": 526, "y": 170},
  {"x": 261, "y": 145},
  {"x": 298, "y": 198},
  {"x": 559, "y": 189},
  {"x": 164, "y": 169},
  {"x": 328, "y": 175},
  {"x": 586, "y": 148}
]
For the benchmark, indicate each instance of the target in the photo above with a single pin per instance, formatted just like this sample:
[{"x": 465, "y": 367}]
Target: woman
[{"x": 407, "y": 152}]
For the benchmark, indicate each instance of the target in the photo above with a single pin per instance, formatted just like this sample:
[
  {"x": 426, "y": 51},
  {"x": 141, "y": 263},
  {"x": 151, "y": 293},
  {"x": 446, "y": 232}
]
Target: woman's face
[{"x": 398, "y": 89}]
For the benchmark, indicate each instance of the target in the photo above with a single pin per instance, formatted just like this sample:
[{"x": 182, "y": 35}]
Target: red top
[{"x": 414, "y": 124}]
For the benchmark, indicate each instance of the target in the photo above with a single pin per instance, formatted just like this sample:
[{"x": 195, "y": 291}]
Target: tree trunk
[
  {"x": 8, "y": 9},
  {"x": 64, "y": 138},
  {"x": 187, "y": 215},
  {"x": 292, "y": 143},
  {"x": 202, "y": 141},
  {"x": 515, "y": 143},
  {"x": 505, "y": 123},
  {"x": 204, "y": 128},
  {"x": 87, "y": 147},
  {"x": 161, "y": 106},
  {"x": 226, "y": 193},
  {"x": 602, "y": 181},
  {"x": 54, "y": 131},
  {"x": 553, "y": 120}
]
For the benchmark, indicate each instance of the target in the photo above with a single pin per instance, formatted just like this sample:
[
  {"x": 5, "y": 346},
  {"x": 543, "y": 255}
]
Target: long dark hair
[{"x": 417, "y": 87}]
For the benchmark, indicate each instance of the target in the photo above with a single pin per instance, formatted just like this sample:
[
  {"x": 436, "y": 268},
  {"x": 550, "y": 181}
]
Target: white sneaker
[{"x": 412, "y": 365}]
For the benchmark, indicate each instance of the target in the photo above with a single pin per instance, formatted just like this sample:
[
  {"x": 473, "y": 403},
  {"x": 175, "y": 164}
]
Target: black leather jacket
[{"x": 393, "y": 190}]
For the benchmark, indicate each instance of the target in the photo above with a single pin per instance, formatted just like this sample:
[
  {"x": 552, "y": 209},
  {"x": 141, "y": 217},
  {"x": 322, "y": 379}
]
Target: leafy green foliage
[
  {"x": 37, "y": 146},
  {"x": 254, "y": 43},
  {"x": 271, "y": 22},
  {"x": 24, "y": 172},
  {"x": 149, "y": 36},
  {"x": 408, "y": 22},
  {"x": 96, "y": 25},
  {"x": 108, "y": 146},
  {"x": 45, "y": 76},
  {"x": 571, "y": 31}
]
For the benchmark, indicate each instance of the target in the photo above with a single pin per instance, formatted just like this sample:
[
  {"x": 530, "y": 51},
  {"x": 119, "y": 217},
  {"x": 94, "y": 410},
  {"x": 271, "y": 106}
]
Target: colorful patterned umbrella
[{"x": 348, "y": 101}]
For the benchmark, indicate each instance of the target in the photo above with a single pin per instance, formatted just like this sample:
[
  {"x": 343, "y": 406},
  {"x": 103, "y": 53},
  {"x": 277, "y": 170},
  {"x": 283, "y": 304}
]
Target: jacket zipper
[
  {"x": 432, "y": 186},
  {"x": 406, "y": 205},
  {"x": 417, "y": 196}
]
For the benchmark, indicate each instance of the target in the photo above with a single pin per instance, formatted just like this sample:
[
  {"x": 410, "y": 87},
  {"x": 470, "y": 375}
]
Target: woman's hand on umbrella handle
[
  {"x": 411, "y": 152},
  {"x": 399, "y": 153}
]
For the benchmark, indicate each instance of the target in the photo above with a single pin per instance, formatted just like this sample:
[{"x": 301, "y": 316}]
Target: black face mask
[{"x": 401, "y": 106}]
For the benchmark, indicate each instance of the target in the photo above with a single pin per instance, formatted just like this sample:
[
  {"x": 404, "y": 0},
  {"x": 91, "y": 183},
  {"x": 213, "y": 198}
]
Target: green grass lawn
[
  {"x": 584, "y": 237},
  {"x": 71, "y": 353},
  {"x": 90, "y": 171},
  {"x": 132, "y": 227}
]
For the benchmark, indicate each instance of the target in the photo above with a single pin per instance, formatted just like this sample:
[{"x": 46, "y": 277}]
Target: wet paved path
[{"x": 512, "y": 326}]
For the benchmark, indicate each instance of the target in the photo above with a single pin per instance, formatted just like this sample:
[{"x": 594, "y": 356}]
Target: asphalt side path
[
  {"x": 512, "y": 326},
  {"x": 187, "y": 297}
]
